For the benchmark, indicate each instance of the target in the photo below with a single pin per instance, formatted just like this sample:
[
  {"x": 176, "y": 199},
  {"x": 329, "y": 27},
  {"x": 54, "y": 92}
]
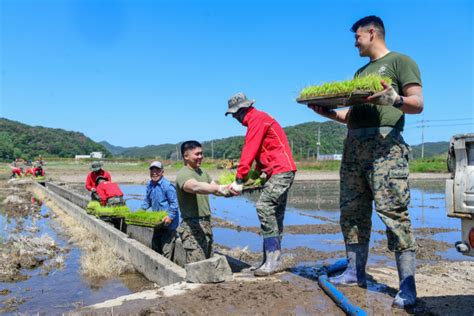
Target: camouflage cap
[
  {"x": 238, "y": 101},
  {"x": 96, "y": 166}
]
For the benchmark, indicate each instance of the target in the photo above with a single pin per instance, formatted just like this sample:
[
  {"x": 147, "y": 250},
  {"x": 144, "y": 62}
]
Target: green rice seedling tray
[
  {"x": 144, "y": 218},
  {"x": 338, "y": 94},
  {"x": 337, "y": 101}
]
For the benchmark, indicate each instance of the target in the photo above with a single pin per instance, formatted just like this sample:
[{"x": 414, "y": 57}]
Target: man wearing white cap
[{"x": 161, "y": 195}]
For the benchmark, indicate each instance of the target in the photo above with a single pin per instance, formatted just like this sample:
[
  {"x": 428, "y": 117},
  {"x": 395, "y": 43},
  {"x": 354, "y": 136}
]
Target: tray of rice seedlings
[
  {"x": 91, "y": 207},
  {"x": 251, "y": 183},
  {"x": 112, "y": 211},
  {"x": 144, "y": 218},
  {"x": 340, "y": 94},
  {"x": 40, "y": 179},
  {"x": 95, "y": 208}
]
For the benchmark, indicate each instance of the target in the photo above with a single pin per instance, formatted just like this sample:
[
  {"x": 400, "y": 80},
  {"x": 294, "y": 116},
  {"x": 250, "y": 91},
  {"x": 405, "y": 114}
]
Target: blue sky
[{"x": 150, "y": 72}]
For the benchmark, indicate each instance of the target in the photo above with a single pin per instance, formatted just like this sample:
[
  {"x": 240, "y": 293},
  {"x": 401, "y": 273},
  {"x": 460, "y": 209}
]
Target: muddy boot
[
  {"x": 406, "y": 297},
  {"x": 355, "y": 272},
  {"x": 273, "y": 262},
  {"x": 263, "y": 260}
]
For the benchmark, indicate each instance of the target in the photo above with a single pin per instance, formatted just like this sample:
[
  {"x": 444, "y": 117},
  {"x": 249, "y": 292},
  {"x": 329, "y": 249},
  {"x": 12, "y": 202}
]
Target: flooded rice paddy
[
  {"x": 316, "y": 203},
  {"x": 312, "y": 235},
  {"x": 53, "y": 283}
]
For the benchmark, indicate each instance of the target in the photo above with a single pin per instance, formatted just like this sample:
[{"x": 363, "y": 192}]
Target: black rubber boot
[{"x": 406, "y": 266}]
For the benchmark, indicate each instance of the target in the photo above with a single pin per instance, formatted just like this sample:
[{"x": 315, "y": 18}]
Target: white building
[{"x": 94, "y": 155}]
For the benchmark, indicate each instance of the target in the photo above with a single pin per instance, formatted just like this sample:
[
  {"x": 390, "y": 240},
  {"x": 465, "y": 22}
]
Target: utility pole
[
  {"x": 212, "y": 150},
  {"x": 319, "y": 142},
  {"x": 422, "y": 137},
  {"x": 177, "y": 153}
]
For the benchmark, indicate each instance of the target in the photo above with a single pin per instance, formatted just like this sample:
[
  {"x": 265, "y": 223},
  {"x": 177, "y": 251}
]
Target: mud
[
  {"x": 309, "y": 229},
  {"x": 273, "y": 296},
  {"x": 444, "y": 288},
  {"x": 427, "y": 249},
  {"x": 27, "y": 252}
]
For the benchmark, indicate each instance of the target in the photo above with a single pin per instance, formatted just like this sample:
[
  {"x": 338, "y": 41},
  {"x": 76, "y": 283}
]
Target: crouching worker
[
  {"x": 161, "y": 196},
  {"x": 97, "y": 171},
  {"x": 16, "y": 172},
  {"x": 109, "y": 192},
  {"x": 38, "y": 171},
  {"x": 193, "y": 187}
]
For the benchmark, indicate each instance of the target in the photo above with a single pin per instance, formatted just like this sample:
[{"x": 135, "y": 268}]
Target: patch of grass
[
  {"x": 370, "y": 83},
  {"x": 431, "y": 165}
]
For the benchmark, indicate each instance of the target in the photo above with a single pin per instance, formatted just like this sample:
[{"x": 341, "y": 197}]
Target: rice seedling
[
  {"x": 95, "y": 208},
  {"x": 144, "y": 218},
  {"x": 370, "y": 83},
  {"x": 252, "y": 179}
]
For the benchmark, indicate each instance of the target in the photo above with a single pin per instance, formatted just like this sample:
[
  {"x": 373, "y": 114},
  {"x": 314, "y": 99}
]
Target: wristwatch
[{"x": 398, "y": 104}]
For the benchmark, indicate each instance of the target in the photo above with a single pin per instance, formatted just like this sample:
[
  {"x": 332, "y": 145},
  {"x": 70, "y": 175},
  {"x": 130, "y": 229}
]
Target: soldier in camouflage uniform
[
  {"x": 375, "y": 161},
  {"x": 193, "y": 186},
  {"x": 267, "y": 145}
]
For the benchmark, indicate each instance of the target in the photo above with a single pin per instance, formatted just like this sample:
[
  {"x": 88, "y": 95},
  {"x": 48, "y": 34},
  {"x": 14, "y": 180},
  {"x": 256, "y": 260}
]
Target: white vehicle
[{"x": 460, "y": 189}]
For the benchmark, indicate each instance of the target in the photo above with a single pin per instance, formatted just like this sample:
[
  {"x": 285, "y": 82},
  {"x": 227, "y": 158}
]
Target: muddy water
[
  {"x": 317, "y": 203},
  {"x": 60, "y": 289}
]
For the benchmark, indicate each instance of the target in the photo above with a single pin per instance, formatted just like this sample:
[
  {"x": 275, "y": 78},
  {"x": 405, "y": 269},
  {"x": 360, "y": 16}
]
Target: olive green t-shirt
[
  {"x": 402, "y": 70},
  {"x": 192, "y": 205}
]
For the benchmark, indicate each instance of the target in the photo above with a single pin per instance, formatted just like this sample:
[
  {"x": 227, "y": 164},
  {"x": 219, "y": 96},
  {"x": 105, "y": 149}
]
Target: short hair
[
  {"x": 189, "y": 145},
  {"x": 370, "y": 20}
]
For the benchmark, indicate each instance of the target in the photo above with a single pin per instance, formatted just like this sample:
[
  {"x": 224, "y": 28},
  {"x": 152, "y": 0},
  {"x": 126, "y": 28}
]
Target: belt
[
  {"x": 372, "y": 131},
  {"x": 197, "y": 219}
]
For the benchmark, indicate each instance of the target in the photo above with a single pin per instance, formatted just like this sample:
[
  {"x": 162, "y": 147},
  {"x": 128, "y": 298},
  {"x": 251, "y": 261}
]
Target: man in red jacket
[
  {"x": 267, "y": 145},
  {"x": 97, "y": 171},
  {"x": 109, "y": 192}
]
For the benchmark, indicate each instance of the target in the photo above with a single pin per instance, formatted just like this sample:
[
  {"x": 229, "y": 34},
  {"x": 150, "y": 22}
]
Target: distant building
[
  {"x": 97, "y": 155},
  {"x": 330, "y": 157},
  {"x": 94, "y": 155}
]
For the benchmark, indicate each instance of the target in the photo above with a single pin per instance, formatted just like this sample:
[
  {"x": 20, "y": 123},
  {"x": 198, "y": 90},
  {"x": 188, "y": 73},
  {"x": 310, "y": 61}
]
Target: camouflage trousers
[
  {"x": 375, "y": 169},
  {"x": 272, "y": 204},
  {"x": 164, "y": 241},
  {"x": 196, "y": 236}
]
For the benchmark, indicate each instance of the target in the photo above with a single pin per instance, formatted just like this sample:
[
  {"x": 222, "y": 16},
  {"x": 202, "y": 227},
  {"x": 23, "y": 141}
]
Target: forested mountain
[
  {"x": 431, "y": 149},
  {"x": 302, "y": 138},
  {"x": 19, "y": 140}
]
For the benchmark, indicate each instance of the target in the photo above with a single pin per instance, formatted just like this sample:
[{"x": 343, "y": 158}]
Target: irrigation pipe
[{"x": 333, "y": 292}]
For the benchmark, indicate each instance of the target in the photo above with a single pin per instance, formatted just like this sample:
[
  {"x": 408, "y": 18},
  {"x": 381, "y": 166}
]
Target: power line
[
  {"x": 445, "y": 125},
  {"x": 445, "y": 120},
  {"x": 419, "y": 126}
]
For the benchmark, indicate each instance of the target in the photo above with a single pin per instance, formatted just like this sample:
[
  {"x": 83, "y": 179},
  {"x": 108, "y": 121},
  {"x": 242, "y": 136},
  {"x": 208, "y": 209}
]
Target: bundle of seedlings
[
  {"x": 343, "y": 93},
  {"x": 144, "y": 218},
  {"x": 253, "y": 180}
]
